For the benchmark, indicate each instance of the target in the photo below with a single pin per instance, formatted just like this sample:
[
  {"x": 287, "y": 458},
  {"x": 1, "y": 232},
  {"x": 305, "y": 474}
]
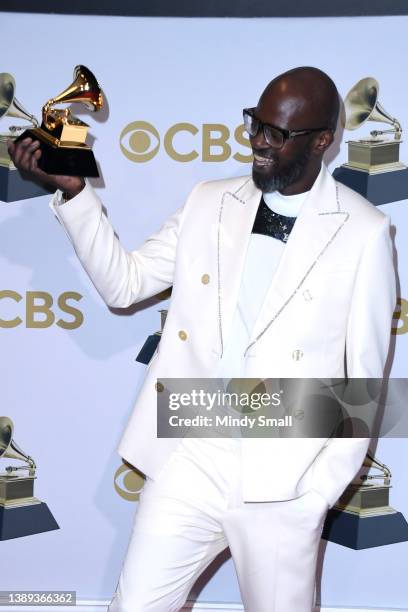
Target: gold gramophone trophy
[
  {"x": 62, "y": 136},
  {"x": 12, "y": 185},
  {"x": 362, "y": 517},
  {"x": 21, "y": 513},
  {"x": 373, "y": 168}
]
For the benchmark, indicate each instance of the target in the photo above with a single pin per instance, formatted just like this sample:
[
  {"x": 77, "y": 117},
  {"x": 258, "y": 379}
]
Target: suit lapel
[
  {"x": 236, "y": 217},
  {"x": 317, "y": 225}
]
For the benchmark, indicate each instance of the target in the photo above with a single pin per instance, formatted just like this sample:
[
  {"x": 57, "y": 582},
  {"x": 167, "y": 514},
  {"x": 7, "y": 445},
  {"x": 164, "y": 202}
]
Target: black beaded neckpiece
[{"x": 273, "y": 224}]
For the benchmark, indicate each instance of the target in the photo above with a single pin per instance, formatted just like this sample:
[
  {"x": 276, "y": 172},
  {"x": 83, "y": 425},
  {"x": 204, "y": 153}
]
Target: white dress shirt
[{"x": 262, "y": 258}]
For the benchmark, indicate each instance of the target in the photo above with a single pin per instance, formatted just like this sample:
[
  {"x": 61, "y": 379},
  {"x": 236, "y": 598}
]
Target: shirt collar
[{"x": 289, "y": 206}]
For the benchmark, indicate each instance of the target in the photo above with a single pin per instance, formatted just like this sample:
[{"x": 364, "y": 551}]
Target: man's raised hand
[{"x": 25, "y": 155}]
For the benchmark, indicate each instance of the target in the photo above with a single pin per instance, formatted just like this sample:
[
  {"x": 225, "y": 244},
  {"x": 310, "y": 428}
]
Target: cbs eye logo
[
  {"x": 184, "y": 142},
  {"x": 141, "y": 138},
  {"x": 128, "y": 482}
]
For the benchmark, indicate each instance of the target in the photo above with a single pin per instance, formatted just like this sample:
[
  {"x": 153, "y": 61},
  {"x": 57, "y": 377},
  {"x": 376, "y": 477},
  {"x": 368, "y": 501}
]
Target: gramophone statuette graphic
[
  {"x": 373, "y": 168},
  {"x": 21, "y": 513},
  {"x": 362, "y": 517},
  {"x": 62, "y": 136},
  {"x": 12, "y": 185}
]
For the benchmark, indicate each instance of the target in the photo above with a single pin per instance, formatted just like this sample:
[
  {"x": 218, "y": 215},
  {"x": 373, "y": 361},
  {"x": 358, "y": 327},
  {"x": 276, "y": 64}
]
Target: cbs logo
[
  {"x": 38, "y": 309},
  {"x": 184, "y": 142},
  {"x": 128, "y": 482}
]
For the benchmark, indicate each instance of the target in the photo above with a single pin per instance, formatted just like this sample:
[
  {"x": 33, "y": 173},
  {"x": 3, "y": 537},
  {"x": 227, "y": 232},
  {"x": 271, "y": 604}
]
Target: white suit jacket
[{"x": 327, "y": 313}]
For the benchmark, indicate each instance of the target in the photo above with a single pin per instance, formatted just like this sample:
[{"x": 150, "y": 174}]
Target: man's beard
[{"x": 278, "y": 181}]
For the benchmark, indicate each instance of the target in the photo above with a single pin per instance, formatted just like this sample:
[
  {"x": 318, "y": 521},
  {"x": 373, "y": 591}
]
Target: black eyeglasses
[{"x": 274, "y": 136}]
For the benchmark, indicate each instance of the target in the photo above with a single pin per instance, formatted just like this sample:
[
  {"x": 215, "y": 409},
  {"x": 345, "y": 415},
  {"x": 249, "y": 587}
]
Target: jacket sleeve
[
  {"x": 367, "y": 345},
  {"x": 121, "y": 277}
]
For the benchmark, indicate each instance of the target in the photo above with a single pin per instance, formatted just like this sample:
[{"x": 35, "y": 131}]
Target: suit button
[
  {"x": 182, "y": 335},
  {"x": 159, "y": 387},
  {"x": 297, "y": 354},
  {"x": 205, "y": 279}
]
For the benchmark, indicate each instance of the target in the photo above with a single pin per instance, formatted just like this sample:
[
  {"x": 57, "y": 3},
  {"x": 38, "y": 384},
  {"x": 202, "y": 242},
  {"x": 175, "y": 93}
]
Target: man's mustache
[{"x": 267, "y": 153}]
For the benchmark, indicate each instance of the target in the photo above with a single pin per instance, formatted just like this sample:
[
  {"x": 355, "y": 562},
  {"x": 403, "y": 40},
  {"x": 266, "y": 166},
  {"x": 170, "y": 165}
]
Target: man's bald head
[
  {"x": 303, "y": 105},
  {"x": 308, "y": 96}
]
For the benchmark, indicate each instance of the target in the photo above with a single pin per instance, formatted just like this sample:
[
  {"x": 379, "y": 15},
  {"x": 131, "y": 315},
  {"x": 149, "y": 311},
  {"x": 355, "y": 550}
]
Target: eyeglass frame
[{"x": 286, "y": 134}]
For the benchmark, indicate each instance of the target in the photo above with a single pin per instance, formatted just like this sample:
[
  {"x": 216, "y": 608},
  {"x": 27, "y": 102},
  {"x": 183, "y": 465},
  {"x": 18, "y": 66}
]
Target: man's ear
[{"x": 324, "y": 140}]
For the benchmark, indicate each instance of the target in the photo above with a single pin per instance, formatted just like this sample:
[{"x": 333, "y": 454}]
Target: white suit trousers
[{"x": 193, "y": 510}]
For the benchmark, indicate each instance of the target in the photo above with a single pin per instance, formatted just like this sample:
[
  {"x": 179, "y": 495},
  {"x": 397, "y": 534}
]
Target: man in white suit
[{"x": 283, "y": 274}]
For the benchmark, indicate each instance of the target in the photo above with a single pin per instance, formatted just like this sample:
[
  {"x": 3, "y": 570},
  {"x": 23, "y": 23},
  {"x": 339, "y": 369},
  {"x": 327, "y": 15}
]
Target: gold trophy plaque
[
  {"x": 373, "y": 167},
  {"x": 21, "y": 513},
  {"x": 62, "y": 136}
]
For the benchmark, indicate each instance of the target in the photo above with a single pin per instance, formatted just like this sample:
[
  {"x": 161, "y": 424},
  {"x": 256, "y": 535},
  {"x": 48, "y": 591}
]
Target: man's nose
[{"x": 258, "y": 141}]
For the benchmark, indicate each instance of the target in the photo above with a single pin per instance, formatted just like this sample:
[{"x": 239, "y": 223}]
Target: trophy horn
[
  {"x": 84, "y": 88},
  {"x": 371, "y": 461},
  {"x": 9, "y": 105},
  {"x": 10, "y": 449},
  {"x": 361, "y": 104}
]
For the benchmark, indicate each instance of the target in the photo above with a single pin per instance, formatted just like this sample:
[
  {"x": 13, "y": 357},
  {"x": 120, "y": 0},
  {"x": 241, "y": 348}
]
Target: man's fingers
[
  {"x": 11, "y": 147},
  {"x": 34, "y": 159},
  {"x": 20, "y": 149},
  {"x": 28, "y": 153},
  {"x": 25, "y": 155}
]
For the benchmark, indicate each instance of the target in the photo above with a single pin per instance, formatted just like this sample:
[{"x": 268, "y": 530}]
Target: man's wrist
[{"x": 69, "y": 195}]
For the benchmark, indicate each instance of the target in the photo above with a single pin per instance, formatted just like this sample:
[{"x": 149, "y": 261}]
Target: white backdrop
[{"x": 70, "y": 391}]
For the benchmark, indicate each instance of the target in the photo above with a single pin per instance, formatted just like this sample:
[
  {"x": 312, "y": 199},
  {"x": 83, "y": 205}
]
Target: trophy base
[
  {"x": 356, "y": 532},
  {"x": 21, "y": 521},
  {"x": 147, "y": 350},
  {"x": 14, "y": 187},
  {"x": 372, "y": 154},
  {"x": 62, "y": 159},
  {"x": 378, "y": 188}
]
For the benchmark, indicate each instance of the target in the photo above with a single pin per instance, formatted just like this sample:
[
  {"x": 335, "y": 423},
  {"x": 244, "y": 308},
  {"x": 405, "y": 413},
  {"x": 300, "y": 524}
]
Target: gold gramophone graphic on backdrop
[
  {"x": 11, "y": 107},
  {"x": 12, "y": 185},
  {"x": 368, "y": 499},
  {"x": 62, "y": 136},
  {"x": 362, "y": 517},
  {"x": 21, "y": 513},
  {"x": 373, "y": 168}
]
